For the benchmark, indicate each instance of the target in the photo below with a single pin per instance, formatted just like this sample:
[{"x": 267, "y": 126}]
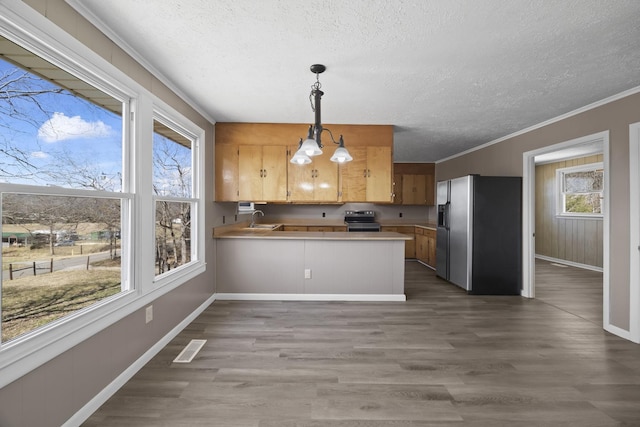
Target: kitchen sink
[{"x": 263, "y": 227}]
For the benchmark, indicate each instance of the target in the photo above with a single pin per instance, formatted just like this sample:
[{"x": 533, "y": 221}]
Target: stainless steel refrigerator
[{"x": 479, "y": 234}]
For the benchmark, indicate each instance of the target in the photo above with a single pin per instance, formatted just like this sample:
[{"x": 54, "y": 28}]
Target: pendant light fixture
[{"x": 312, "y": 146}]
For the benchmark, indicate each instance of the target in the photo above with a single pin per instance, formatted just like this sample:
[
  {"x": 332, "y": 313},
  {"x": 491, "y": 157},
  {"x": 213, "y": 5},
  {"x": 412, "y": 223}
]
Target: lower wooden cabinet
[
  {"x": 409, "y": 245},
  {"x": 426, "y": 246}
]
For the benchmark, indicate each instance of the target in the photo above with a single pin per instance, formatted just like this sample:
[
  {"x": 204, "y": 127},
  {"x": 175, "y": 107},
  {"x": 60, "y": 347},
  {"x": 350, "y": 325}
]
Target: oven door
[{"x": 363, "y": 226}]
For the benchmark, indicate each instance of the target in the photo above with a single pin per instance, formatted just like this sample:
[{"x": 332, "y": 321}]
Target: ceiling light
[
  {"x": 312, "y": 146},
  {"x": 300, "y": 157}
]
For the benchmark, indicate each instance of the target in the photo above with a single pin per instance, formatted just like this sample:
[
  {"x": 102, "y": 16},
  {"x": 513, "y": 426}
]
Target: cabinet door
[
  {"x": 250, "y": 172},
  {"x": 420, "y": 189},
  {"x": 274, "y": 173},
  {"x": 226, "y": 173},
  {"x": 421, "y": 248},
  {"x": 430, "y": 193},
  {"x": 431, "y": 247},
  {"x": 300, "y": 182},
  {"x": 325, "y": 178},
  {"x": 354, "y": 176},
  {"x": 398, "y": 192},
  {"x": 408, "y": 190},
  {"x": 379, "y": 175}
]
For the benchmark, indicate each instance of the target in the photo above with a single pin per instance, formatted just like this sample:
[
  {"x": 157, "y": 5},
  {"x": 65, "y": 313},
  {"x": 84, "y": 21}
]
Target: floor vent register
[{"x": 190, "y": 351}]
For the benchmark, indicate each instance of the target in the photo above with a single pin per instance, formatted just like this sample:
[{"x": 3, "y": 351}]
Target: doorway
[{"x": 587, "y": 145}]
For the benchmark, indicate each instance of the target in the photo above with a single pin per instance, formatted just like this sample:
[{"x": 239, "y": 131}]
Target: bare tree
[{"x": 172, "y": 177}]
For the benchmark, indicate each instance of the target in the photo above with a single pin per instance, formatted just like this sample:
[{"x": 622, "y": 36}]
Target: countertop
[
  {"x": 240, "y": 230},
  {"x": 241, "y": 233}
]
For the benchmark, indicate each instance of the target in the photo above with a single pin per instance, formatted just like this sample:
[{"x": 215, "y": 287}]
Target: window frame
[
  {"x": 31, "y": 30},
  {"x": 560, "y": 193},
  {"x": 190, "y": 131}
]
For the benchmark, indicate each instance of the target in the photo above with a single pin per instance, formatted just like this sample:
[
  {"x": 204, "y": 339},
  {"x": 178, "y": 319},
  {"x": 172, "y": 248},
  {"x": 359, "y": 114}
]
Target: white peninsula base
[{"x": 310, "y": 269}]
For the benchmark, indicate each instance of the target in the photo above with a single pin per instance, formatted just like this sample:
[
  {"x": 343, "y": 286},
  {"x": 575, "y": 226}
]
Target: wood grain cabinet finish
[
  {"x": 368, "y": 178},
  {"x": 226, "y": 173},
  {"x": 315, "y": 182},
  {"x": 426, "y": 246},
  {"x": 262, "y": 173},
  {"x": 258, "y": 171},
  {"x": 409, "y": 245},
  {"x": 414, "y": 184}
]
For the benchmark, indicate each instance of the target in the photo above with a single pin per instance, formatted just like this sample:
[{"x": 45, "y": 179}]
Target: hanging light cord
[{"x": 316, "y": 86}]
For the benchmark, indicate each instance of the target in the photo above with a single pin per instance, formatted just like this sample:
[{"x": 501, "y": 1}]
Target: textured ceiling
[{"x": 448, "y": 74}]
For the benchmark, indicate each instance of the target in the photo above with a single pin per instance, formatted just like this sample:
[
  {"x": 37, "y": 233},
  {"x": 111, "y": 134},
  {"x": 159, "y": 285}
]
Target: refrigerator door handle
[{"x": 447, "y": 212}]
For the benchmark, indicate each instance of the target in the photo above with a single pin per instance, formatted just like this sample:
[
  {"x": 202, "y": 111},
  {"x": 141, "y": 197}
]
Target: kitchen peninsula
[{"x": 266, "y": 264}]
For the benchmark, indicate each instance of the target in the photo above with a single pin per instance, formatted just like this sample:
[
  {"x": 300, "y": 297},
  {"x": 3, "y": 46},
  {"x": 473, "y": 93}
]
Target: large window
[
  {"x": 61, "y": 193},
  {"x": 88, "y": 159},
  {"x": 580, "y": 190}
]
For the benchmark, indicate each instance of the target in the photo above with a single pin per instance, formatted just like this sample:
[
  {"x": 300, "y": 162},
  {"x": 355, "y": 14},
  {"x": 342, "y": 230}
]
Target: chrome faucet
[{"x": 253, "y": 217}]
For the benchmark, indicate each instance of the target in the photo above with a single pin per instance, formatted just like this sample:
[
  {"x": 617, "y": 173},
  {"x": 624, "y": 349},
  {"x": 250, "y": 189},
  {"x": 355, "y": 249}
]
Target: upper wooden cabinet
[
  {"x": 315, "y": 182},
  {"x": 227, "y": 173},
  {"x": 414, "y": 183},
  {"x": 250, "y": 164},
  {"x": 369, "y": 177},
  {"x": 262, "y": 173}
]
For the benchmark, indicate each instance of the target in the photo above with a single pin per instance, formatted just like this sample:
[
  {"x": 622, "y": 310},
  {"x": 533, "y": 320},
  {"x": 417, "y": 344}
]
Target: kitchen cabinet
[
  {"x": 426, "y": 246},
  {"x": 315, "y": 182},
  {"x": 295, "y": 228},
  {"x": 397, "y": 188},
  {"x": 368, "y": 178},
  {"x": 414, "y": 189},
  {"x": 415, "y": 183},
  {"x": 226, "y": 173},
  {"x": 409, "y": 245},
  {"x": 250, "y": 167},
  {"x": 262, "y": 173}
]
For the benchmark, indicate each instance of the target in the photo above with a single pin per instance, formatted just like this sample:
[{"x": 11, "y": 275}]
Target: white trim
[
  {"x": 570, "y": 263},
  {"x": 99, "y": 399},
  {"x": 79, "y": 7},
  {"x": 309, "y": 297},
  {"x": 634, "y": 232},
  {"x": 528, "y": 225},
  {"x": 575, "y": 112}
]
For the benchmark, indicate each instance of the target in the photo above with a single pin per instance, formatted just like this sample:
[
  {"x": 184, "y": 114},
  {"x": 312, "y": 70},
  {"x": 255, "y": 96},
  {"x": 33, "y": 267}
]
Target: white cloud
[
  {"x": 39, "y": 155},
  {"x": 60, "y": 127}
]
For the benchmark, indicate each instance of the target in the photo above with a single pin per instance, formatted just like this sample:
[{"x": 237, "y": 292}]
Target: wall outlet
[
  {"x": 307, "y": 273},
  {"x": 148, "y": 314}
]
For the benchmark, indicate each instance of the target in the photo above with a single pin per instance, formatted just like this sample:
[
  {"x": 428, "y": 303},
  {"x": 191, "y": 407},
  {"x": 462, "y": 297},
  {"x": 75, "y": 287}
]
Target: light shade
[
  {"x": 310, "y": 148},
  {"x": 300, "y": 158},
  {"x": 341, "y": 155}
]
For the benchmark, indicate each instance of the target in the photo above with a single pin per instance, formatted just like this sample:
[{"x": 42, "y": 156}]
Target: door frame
[
  {"x": 529, "y": 218},
  {"x": 634, "y": 232}
]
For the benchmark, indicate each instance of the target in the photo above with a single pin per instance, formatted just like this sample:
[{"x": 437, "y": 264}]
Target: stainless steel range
[{"x": 361, "y": 221}]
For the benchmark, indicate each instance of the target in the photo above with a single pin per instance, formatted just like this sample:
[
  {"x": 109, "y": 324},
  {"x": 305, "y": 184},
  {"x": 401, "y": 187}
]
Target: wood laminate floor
[{"x": 442, "y": 358}]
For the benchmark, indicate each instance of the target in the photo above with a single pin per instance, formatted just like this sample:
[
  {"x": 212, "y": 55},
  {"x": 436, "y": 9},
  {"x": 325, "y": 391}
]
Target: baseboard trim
[
  {"x": 570, "y": 263},
  {"x": 87, "y": 410},
  {"x": 308, "y": 297}
]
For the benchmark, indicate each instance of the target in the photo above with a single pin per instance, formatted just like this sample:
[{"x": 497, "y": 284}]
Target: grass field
[{"x": 33, "y": 301}]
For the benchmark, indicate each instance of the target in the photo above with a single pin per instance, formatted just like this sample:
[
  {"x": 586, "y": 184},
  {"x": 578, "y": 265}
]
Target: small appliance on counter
[
  {"x": 479, "y": 234},
  {"x": 361, "y": 221}
]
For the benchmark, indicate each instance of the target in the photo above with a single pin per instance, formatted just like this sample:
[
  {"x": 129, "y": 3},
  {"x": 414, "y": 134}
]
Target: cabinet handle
[
  {"x": 365, "y": 173},
  {"x": 261, "y": 175},
  {"x": 265, "y": 172},
  {"x": 368, "y": 173}
]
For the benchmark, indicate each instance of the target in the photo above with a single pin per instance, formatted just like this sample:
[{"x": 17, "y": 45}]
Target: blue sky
[{"x": 65, "y": 127}]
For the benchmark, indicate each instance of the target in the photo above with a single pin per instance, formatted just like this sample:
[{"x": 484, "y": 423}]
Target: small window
[
  {"x": 174, "y": 198},
  {"x": 580, "y": 190}
]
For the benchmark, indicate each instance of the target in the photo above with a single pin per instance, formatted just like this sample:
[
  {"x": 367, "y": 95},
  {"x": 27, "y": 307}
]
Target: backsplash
[{"x": 292, "y": 211}]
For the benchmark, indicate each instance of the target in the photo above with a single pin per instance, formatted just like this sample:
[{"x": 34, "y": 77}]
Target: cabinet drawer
[{"x": 295, "y": 228}]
